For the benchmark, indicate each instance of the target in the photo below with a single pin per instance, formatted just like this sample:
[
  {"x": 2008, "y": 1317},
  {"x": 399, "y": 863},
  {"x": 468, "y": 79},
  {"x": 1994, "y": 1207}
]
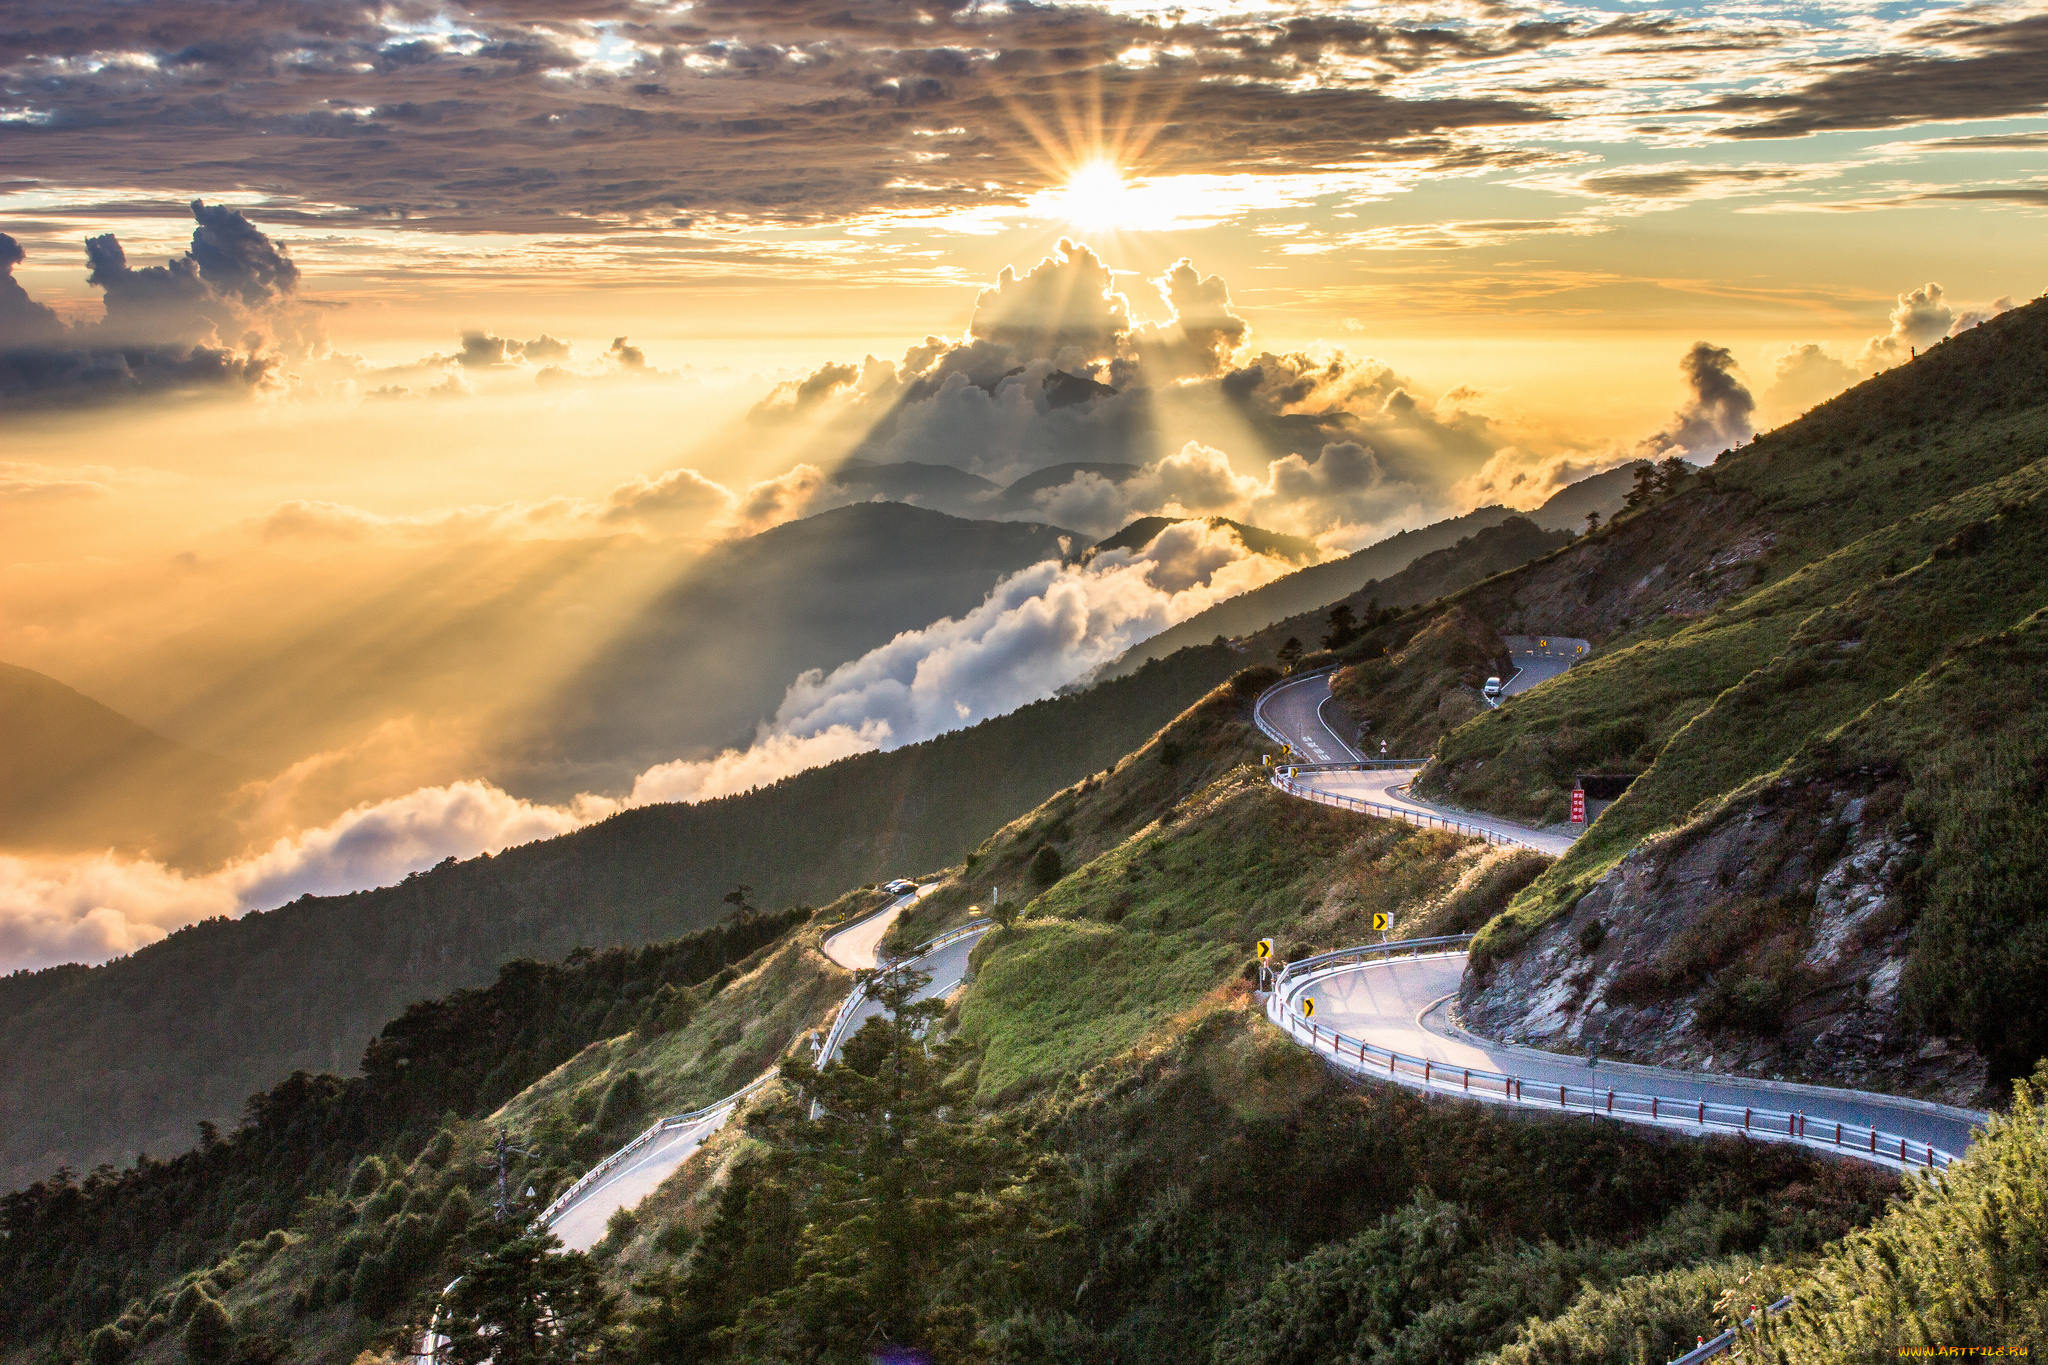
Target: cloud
[
  {"x": 219, "y": 317},
  {"x": 674, "y": 502},
  {"x": 794, "y": 113},
  {"x": 1037, "y": 631},
  {"x": 1973, "y": 62},
  {"x": 1805, "y": 375},
  {"x": 770, "y": 502},
  {"x": 1718, "y": 413},
  {"x": 23, "y": 321},
  {"x": 92, "y": 908},
  {"x": 1204, "y": 335},
  {"x": 1065, "y": 309},
  {"x": 1514, "y": 478}
]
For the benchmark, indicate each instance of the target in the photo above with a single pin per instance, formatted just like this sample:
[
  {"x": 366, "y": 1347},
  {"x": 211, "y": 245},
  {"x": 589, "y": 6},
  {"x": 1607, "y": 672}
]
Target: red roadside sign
[{"x": 1578, "y": 805}]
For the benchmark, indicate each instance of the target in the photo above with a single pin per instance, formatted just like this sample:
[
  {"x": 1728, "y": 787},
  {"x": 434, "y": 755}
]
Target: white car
[
  {"x": 900, "y": 887},
  {"x": 1493, "y": 689}
]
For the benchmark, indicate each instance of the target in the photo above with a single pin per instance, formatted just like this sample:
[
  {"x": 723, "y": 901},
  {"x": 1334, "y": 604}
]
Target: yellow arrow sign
[
  {"x": 1308, "y": 1008},
  {"x": 1265, "y": 949},
  {"x": 1382, "y": 922}
]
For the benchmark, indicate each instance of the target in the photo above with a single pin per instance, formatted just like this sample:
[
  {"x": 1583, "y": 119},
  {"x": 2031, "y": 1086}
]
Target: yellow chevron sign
[
  {"x": 1308, "y": 1008},
  {"x": 1382, "y": 922},
  {"x": 1265, "y": 949}
]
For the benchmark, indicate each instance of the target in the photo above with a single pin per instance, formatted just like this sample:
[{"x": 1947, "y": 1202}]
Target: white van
[{"x": 1493, "y": 689}]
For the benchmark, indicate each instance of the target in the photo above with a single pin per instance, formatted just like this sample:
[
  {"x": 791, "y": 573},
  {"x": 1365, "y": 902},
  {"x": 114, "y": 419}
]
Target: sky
[{"x": 501, "y": 311}]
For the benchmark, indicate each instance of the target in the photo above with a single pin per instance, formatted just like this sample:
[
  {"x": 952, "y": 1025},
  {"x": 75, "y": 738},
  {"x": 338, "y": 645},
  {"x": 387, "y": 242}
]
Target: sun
[{"x": 1097, "y": 196}]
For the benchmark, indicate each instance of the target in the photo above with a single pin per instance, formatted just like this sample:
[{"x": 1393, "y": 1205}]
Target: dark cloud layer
[
  {"x": 788, "y": 111},
  {"x": 1960, "y": 68}
]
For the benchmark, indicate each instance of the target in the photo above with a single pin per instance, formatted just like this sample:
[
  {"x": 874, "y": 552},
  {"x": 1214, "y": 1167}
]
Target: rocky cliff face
[{"x": 1767, "y": 939}]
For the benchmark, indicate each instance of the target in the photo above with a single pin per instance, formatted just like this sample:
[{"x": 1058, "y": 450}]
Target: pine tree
[
  {"x": 210, "y": 1335},
  {"x": 522, "y": 1300},
  {"x": 870, "y": 1228},
  {"x": 1343, "y": 627}
]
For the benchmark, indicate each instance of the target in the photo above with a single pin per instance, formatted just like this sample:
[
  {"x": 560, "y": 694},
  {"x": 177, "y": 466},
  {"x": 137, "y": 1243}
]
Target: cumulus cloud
[
  {"x": 92, "y": 908},
  {"x": 1920, "y": 318},
  {"x": 221, "y": 317},
  {"x": 1805, "y": 375},
  {"x": 1719, "y": 411},
  {"x": 1515, "y": 478},
  {"x": 1055, "y": 371},
  {"x": 1338, "y": 493}
]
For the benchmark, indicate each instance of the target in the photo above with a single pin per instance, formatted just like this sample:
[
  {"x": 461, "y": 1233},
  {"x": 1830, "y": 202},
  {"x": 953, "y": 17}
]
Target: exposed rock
[{"x": 1767, "y": 940}]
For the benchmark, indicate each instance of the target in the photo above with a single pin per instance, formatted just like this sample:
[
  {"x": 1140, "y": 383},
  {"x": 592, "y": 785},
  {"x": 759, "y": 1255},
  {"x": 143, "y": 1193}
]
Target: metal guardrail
[
  {"x": 1356, "y": 765},
  {"x": 654, "y": 1130},
  {"x": 1426, "y": 819},
  {"x": 1868, "y": 1144},
  {"x": 835, "y": 1035},
  {"x": 1259, "y": 706},
  {"x": 1714, "y": 1346}
]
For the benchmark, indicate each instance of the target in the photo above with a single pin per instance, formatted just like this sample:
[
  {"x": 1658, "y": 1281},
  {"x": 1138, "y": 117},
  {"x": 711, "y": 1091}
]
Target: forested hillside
[{"x": 98, "y": 1063}]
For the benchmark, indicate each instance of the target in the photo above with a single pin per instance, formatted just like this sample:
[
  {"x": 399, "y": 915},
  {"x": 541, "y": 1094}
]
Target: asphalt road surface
[
  {"x": 854, "y": 946},
  {"x": 1539, "y": 658},
  {"x": 581, "y": 1225},
  {"x": 1296, "y": 710},
  {"x": 1402, "y": 1005},
  {"x": 947, "y": 966}
]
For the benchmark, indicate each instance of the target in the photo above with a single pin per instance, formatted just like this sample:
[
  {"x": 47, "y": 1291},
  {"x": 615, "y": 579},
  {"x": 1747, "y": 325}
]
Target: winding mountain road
[
  {"x": 634, "y": 1172},
  {"x": 1357, "y": 1011}
]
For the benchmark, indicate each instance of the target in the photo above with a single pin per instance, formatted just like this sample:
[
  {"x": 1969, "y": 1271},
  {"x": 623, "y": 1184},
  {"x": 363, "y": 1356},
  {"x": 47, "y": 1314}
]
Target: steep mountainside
[
  {"x": 75, "y": 775},
  {"x": 712, "y": 654},
  {"x": 1744, "y": 900},
  {"x": 1091, "y": 1203}
]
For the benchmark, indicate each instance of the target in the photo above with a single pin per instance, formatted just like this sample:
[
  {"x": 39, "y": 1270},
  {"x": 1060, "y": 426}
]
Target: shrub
[
  {"x": 622, "y": 1101},
  {"x": 1592, "y": 936},
  {"x": 210, "y": 1335},
  {"x": 188, "y": 1299},
  {"x": 1046, "y": 867},
  {"x": 386, "y": 1202},
  {"x": 369, "y": 1176},
  {"x": 453, "y": 1217},
  {"x": 108, "y": 1346},
  {"x": 620, "y": 1227},
  {"x": 438, "y": 1151},
  {"x": 155, "y": 1327},
  {"x": 373, "y": 1289}
]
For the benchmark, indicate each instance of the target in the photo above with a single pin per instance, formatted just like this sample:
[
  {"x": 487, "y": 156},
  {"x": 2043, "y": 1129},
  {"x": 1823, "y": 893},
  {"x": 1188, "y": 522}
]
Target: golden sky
[{"x": 319, "y": 304}]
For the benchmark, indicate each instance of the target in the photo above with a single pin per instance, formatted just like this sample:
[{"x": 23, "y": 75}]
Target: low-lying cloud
[{"x": 1038, "y": 630}]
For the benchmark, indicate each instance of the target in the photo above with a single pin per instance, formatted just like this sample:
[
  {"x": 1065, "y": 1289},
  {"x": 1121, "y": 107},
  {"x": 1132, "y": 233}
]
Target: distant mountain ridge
[
  {"x": 812, "y": 593},
  {"x": 1257, "y": 539},
  {"x": 76, "y": 775}
]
